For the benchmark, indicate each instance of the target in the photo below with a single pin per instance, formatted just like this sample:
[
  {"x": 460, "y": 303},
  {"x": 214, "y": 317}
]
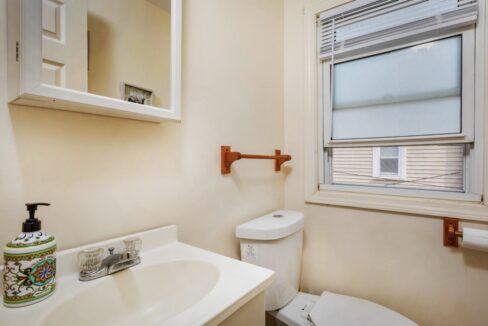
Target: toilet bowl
[
  {"x": 275, "y": 241},
  {"x": 333, "y": 309}
]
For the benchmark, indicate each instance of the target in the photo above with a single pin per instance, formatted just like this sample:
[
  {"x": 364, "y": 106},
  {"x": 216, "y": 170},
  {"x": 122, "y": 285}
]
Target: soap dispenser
[{"x": 30, "y": 263}]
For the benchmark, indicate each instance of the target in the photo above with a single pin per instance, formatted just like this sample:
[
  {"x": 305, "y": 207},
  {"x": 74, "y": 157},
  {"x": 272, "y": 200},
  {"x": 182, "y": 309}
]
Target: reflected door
[{"x": 64, "y": 44}]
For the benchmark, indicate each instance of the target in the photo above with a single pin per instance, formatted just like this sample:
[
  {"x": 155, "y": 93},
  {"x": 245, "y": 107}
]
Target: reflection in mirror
[{"x": 114, "y": 48}]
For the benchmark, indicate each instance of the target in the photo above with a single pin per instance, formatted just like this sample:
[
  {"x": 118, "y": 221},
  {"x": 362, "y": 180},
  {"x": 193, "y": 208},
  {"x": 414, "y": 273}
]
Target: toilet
[{"x": 275, "y": 241}]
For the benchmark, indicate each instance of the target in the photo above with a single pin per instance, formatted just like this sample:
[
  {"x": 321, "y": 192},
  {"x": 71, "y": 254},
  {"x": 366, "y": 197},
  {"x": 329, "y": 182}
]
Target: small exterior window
[{"x": 388, "y": 162}]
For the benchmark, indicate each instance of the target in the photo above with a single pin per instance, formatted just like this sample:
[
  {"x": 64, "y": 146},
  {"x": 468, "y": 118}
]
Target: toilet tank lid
[{"x": 272, "y": 226}]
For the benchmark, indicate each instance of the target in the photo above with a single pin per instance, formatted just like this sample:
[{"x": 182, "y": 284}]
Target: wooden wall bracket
[
  {"x": 227, "y": 157},
  {"x": 451, "y": 232}
]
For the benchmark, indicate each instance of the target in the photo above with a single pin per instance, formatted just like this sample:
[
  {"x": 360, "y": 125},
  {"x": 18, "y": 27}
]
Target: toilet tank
[{"x": 275, "y": 241}]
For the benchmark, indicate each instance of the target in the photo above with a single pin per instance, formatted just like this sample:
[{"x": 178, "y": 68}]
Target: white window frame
[
  {"x": 467, "y": 94},
  {"x": 471, "y": 205},
  {"x": 472, "y": 183},
  {"x": 402, "y": 171}
]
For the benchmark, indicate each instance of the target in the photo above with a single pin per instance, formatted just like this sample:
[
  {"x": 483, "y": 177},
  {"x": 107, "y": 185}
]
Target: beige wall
[
  {"x": 394, "y": 259},
  {"x": 107, "y": 177},
  {"x": 232, "y": 94},
  {"x": 129, "y": 42}
]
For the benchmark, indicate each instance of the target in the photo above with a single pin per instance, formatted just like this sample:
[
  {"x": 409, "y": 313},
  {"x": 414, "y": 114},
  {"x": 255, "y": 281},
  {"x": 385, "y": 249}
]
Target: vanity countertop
[{"x": 175, "y": 284}]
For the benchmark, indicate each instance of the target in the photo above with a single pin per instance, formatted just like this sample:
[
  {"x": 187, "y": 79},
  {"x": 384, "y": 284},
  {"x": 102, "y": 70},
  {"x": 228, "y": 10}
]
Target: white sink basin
[
  {"x": 147, "y": 296},
  {"x": 175, "y": 284}
]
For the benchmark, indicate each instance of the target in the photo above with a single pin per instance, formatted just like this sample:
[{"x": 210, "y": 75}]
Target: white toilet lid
[{"x": 341, "y": 310}]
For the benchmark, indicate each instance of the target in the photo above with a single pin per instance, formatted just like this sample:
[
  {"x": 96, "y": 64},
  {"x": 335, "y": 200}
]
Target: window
[
  {"x": 397, "y": 94},
  {"x": 388, "y": 162},
  {"x": 401, "y": 93},
  {"x": 392, "y": 97}
]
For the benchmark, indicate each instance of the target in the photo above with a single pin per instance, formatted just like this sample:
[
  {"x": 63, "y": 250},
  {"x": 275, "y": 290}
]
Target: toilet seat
[
  {"x": 341, "y": 310},
  {"x": 332, "y": 309}
]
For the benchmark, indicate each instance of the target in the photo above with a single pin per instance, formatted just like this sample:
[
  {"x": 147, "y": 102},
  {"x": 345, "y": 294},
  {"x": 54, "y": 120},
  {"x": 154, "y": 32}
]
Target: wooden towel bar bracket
[
  {"x": 451, "y": 232},
  {"x": 227, "y": 158}
]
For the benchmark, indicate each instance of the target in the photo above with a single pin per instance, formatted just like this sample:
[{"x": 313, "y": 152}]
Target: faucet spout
[
  {"x": 113, "y": 263},
  {"x": 123, "y": 264}
]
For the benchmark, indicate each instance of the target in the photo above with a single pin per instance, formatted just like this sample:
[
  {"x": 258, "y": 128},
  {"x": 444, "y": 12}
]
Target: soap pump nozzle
[{"x": 32, "y": 224}]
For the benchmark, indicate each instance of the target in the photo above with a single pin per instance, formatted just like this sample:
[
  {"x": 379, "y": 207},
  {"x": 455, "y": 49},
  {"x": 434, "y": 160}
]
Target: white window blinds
[{"x": 365, "y": 22}]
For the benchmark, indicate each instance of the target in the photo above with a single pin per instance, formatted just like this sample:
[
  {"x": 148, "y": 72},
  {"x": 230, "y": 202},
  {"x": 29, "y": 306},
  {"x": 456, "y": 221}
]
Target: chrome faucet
[{"x": 93, "y": 265}]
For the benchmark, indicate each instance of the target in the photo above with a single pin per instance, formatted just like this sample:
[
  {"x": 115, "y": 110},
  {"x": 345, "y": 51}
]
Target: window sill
[{"x": 462, "y": 209}]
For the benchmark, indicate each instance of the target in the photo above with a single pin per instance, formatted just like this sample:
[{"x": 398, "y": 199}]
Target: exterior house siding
[{"x": 433, "y": 167}]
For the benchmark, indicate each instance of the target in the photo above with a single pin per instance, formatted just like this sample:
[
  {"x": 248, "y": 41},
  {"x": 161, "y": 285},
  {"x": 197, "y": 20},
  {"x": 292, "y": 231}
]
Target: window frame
[
  {"x": 472, "y": 184},
  {"x": 471, "y": 205},
  {"x": 467, "y": 93}
]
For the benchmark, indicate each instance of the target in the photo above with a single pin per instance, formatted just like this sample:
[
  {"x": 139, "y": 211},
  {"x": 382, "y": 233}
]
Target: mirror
[
  {"x": 114, "y": 48},
  {"x": 108, "y": 57}
]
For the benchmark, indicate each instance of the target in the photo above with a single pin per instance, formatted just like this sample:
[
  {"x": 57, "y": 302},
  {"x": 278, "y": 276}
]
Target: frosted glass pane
[
  {"x": 408, "y": 92},
  {"x": 423, "y": 71},
  {"x": 429, "y": 117}
]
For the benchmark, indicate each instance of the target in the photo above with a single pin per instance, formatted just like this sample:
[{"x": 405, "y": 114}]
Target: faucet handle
[
  {"x": 90, "y": 259},
  {"x": 133, "y": 245}
]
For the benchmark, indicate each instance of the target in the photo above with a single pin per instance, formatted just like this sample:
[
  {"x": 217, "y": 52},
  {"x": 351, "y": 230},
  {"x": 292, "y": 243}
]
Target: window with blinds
[{"x": 398, "y": 94}]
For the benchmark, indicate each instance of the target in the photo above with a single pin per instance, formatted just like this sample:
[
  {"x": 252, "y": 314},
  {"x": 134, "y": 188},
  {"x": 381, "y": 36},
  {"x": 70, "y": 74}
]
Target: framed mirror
[{"x": 117, "y": 58}]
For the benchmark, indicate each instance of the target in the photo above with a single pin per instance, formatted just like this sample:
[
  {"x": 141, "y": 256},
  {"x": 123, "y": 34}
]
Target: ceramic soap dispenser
[{"x": 30, "y": 264}]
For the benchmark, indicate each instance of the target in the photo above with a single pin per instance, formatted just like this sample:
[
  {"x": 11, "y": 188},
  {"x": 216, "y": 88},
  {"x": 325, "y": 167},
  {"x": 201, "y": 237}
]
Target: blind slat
[{"x": 374, "y": 22}]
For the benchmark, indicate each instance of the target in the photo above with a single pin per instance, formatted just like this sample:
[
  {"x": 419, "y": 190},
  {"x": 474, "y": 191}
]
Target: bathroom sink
[
  {"x": 174, "y": 285},
  {"x": 147, "y": 296}
]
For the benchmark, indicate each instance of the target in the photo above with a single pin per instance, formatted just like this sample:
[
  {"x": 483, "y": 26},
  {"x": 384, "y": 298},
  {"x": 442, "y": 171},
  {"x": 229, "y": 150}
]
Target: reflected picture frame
[{"x": 136, "y": 94}]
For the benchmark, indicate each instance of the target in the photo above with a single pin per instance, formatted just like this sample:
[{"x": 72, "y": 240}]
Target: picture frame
[{"x": 136, "y": 94}]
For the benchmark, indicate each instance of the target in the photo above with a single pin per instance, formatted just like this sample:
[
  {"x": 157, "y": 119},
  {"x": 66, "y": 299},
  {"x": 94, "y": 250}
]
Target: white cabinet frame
[{"x": 25, "y": 64}]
